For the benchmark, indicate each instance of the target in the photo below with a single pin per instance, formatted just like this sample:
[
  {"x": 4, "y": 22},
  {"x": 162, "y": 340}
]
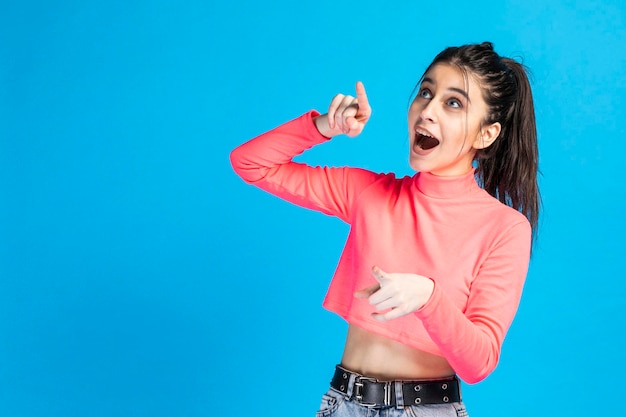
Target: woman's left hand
[{"x": 399, "y": 294}]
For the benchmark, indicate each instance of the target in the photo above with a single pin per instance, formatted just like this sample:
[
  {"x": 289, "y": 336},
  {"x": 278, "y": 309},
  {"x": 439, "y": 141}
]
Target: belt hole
[
  {"x": 446, "y": 399},
  {"x": 418, "y": 401},
  {"x": 417, "y": 388}
]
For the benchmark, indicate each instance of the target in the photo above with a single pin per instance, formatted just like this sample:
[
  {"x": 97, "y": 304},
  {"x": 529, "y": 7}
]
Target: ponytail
[{"x": 508, "y": 169}]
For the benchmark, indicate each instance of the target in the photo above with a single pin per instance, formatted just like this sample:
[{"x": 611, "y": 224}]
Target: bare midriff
[{"x": 379, "y": 357}]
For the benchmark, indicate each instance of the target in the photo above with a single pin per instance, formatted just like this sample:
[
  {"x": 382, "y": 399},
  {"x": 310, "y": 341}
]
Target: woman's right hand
[{"x": 346, "y": 114}]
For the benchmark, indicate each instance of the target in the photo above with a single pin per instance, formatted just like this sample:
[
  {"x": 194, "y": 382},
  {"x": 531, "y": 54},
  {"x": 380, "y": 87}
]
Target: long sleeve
[
  {"x": 266, "y": 162},
  {"x": 474, "y": 248},
  {"x": 471, "y": 340}
]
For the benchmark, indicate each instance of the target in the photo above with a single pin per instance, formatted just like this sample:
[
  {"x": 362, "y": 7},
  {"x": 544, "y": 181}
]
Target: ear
[{"x": 488, "y": 135}]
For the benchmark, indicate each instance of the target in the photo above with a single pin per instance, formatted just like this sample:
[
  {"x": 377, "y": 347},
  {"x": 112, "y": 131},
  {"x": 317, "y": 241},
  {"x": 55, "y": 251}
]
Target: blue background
[{"x": 140, "y": 277}]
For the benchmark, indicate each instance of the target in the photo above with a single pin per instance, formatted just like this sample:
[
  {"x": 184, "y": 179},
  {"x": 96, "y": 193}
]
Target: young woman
[{"x": 434, "y": 265}]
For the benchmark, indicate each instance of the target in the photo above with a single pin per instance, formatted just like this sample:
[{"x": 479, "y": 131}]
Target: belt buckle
[{"x": 358, "y": 394}]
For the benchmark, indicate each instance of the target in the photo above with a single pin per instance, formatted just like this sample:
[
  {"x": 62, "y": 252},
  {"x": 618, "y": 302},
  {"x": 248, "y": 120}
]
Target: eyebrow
[{"x": 458, "y": 90}]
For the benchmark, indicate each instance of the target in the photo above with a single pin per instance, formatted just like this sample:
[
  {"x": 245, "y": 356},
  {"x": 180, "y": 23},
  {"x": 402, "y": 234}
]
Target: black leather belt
[{"x": 373, "y": 393}]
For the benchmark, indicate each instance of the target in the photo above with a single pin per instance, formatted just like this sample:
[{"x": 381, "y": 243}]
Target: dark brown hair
[{"x": 508, "y": 168}]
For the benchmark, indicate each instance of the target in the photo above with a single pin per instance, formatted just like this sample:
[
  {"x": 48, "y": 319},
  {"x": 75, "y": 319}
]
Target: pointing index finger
[{"x": 361, "y": 97}]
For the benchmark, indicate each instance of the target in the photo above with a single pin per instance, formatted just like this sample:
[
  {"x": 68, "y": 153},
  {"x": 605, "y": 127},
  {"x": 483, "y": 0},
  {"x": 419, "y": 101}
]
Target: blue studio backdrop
[{"x": 139, "y": 276}]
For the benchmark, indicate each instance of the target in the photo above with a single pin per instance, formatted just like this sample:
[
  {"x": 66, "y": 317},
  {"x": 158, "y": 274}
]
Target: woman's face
[{"x": 445, "y": 122}]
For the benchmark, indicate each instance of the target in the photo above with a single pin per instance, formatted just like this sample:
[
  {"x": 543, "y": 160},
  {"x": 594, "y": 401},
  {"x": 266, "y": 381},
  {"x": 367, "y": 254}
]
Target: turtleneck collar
[{"x": 445, "y": 187}]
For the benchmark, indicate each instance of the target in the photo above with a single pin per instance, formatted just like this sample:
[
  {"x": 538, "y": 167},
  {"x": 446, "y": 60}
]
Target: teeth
[{"x": 423, "y": 133}]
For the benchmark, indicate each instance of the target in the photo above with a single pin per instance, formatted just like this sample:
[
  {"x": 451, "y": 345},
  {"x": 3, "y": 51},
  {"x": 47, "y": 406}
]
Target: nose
[{"x": 428, "y": 112}]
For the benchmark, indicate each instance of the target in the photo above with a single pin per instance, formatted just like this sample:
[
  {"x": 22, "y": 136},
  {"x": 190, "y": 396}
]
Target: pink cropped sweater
[{"x": 474, "y": 248}]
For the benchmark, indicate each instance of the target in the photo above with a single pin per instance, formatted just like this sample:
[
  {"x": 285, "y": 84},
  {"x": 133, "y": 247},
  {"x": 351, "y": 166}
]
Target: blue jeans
[{"x": 336, "y": 404}]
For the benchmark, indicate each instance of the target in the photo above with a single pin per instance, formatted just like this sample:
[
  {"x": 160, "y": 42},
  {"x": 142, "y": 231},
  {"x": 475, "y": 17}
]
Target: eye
[
  {"x": 424, "y": 93},
  {"x": 455, "y": 103}
]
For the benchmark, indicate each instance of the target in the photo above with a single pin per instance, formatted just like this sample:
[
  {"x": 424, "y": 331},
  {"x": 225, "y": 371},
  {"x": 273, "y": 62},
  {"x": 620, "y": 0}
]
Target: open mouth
[{"x": 424, "y": 140}]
